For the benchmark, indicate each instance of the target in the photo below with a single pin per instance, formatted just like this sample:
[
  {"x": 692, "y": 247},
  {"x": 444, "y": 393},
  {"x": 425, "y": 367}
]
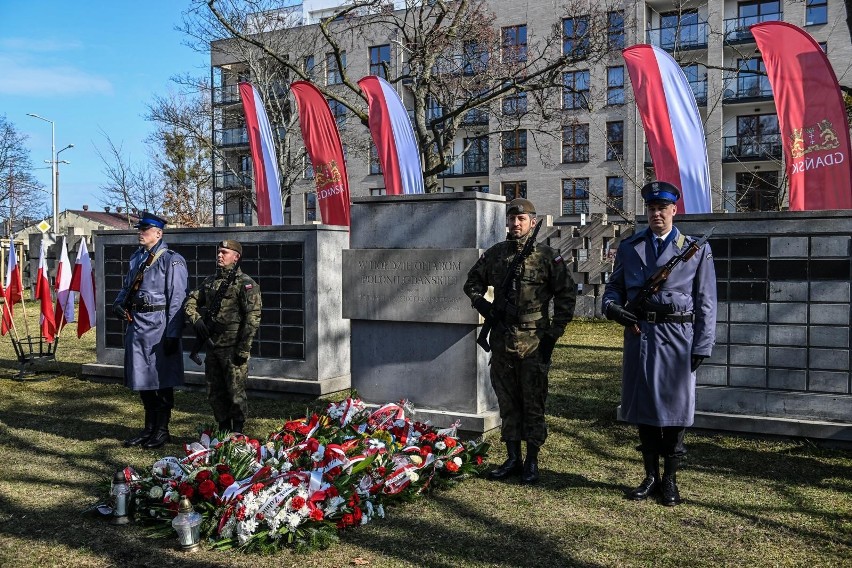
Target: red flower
[
  {"x": 225, "y": 480},
  {"x": 348, "y": 519},
  {"x": 451, "y": 442},
  {"x": 381, "y": 470},
  {"x": 292, "y": 425},
  {"x": 333, "y": 472},
  {"x": 288, "y": 439},
  {"x": 203, "y": 475},
  {"x": 425, "y": 451},
  {"x": 451, "y": 466},
  {"x": 257, "y": 488},
  {"x": 297, "y": 502},
  {"x": 478, "y": 460},
  {"x": 429, "y": 437},
  {"x": 223, "y": 468},
  {"x": 186, "y": 489},
  {"x": 313, "y": 445},
  {"x": 259, "y": 516},
  {"x": 332, "y": 491},
  {"x": 316, "y": 515},
  {"x": 241, "y": 513},
  {"x": 356, "y": 514},
  {"x": 207, "y": 489}
]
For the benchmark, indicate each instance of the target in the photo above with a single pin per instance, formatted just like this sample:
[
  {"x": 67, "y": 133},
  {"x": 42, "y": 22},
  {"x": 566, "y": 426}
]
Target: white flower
[
  {"x": 440, "y": 445},
  {"x": 156, "y": 492},
  {"x": 439, "y": 464},
  {"x": 293, "y": 520},
  {"x": 457, "y": 460},
  {"x": 415, "y": 459},
  {"x": 412, "y": 475},
  {"x": 317, "y": 455},
  {"x": 172, "y": 496}
]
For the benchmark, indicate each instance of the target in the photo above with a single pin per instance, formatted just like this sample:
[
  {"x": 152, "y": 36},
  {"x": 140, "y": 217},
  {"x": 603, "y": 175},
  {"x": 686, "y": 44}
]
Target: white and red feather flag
[
  {"x": 270, "y": 209},
  {"x": 42, "y": 293},
  {"x": 83, "y": 281},
  {"x": 393, "y": 136},
  {"x": 12, "y": 293},
  {"x": 672, "y": 124},
  {"x": 64, "y": 310}
]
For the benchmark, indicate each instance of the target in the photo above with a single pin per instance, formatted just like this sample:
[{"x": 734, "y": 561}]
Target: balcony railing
[
  {"x": 699, "y": 89},
  {"x": 230, "y": 137},
  {"x": 229, "y": 180},
  {"x": 226, "y": 95},
  {"x": 468, "y": 165},
  {"x": 736, "y": 29},
  {"x": 751, "y": 148},
  {"x": 683, "y": 37},
  {"x": 748, "y": 91}
]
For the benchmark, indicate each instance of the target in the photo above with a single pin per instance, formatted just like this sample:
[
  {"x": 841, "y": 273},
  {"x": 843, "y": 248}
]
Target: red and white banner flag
[
  {"x": 322, "y": 142},
  {"x": 270, "y": 210},
  {"x": 12, "y": 293},
  {"x": 811, "y": 116},
  {"x": 672, "y": 124},
  {"x": 83, "y": 281},
  {"x": 393, "y": 136},
  {"x": 42, "y": 293},
  {"x": 64, "y": 310}
]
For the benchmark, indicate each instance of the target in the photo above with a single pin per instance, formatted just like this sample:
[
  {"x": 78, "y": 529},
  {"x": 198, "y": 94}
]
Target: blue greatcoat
[
  {"x": 146, "y": 367},
  {"x": 658, "y": 388}
]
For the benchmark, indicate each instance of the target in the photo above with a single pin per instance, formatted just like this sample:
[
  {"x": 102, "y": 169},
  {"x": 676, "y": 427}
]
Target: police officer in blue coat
[
  {"x": 153, "y": 355},
  {"x": 677, "y": 331}
]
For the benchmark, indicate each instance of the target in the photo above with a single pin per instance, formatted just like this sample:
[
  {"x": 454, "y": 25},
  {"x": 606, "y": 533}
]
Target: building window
[
  {"x": 575, "y": 37},
  {"x": 758, "y": 136},
  {"x": 515, "y": 104},
  {"x": 697, "y": 80},
  {"x": 614, "y": 195},
  {"x": 615, "y": 29},
  {"x": 514, "y": 44},
  {"x": 680, "y": 30},
  {"x": 375, "y": 165},
  {"x": 476, "y": 155},
  {"x": 338, "y": 111},
  {"x": 615, "y": 85},
  {"x": 816, "y": 12},
  {"x": 514, "y": 189},
  {"x": 434, "y": 110},
  {"x": 309, "y": 67},
  {"x": 380, "y": 60},
  {"x": 575, "y": 90},
  {"x": 575, "y": 196},
  {"x": 515, "y": 148},
  {"x": 333, "y": 75},
  {"x": 575, "y": 143},
  {"x": 752, "y": 80},
  {"x": 474, "y": 57},
  {"x": 757, "y": 192},
  {"x": 615, "y": 140},
  {"x": 311, "y": 206}
]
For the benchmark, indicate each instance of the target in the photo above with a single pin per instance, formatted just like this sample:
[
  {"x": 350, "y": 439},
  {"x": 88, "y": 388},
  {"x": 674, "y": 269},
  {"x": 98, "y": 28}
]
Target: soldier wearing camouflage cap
[
  {"x": 522, "y": 343},
  {"x": 235, "y": 298}
]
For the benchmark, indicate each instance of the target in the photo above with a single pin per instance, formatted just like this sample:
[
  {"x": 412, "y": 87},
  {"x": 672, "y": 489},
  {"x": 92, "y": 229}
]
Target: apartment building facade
[{"x": 593, "y": 160}]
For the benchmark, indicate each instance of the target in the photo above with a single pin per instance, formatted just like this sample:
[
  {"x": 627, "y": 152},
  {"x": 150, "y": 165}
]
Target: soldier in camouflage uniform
[
  {"x": 230, "y": 332},
  {"x": 522, "y": 345}
]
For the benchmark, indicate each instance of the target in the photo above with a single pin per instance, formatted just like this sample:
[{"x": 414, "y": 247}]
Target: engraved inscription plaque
[{"x": 419, "y": 285}]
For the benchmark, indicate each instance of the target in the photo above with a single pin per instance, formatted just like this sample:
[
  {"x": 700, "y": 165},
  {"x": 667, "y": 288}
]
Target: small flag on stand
[
  {"x": 42, "y": 293},
  {"x": 64, "y": 310},
  {"x": 12, "y": 293},
  {"x": 83, "y": 281}
]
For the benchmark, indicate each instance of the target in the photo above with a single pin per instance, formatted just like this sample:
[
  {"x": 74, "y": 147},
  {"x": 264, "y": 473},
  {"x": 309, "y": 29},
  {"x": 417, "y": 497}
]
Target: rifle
[
  {"x": 127, "y": 304},
  {"x": 212, "y": 311},
  {"x": 509, "y": 285},
  {"x": 653, "y": 284}
]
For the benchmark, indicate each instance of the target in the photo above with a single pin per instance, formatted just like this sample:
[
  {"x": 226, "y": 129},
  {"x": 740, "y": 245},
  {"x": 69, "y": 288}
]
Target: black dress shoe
[
  {"x": 649, "y": 486},
  {"x": 510, "y": 467},
  {"x": 157, "y": 440},
  {"x": 671, "y": 496},
  {"x": 530, "y": 474},
  {"x": 138, "y": 439}
]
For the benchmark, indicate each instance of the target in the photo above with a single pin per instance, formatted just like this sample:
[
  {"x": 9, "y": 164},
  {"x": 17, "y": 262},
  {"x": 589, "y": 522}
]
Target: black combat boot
[
  {"x": 651, "y": 484},
  {"x": 530, "y": 474},
  {"x": 161, "y": 430},
  {"x": 142, "y": 436},
  {"x": 513, "y": 464},
  {"x": 671, "y": 496}
]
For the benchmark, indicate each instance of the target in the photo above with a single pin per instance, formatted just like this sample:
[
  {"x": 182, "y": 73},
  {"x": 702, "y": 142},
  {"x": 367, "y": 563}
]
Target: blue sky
[{"x": 89, "y": 66}]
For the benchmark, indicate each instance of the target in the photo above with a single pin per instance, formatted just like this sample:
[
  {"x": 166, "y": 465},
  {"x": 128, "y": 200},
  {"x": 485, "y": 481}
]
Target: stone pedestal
[{"x": 413, "y": 330}]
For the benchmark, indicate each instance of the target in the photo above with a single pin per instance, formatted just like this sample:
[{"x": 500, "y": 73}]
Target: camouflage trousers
[
  {"x": 226, "y": 385},
  {"x": 521, "y": 388}
]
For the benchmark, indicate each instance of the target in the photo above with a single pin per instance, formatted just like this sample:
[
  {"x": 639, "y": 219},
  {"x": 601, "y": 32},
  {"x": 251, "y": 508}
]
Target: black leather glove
[
  {"x": 696, "y": 362},
  {"x": 119, "y": 312},
  {"x": 545, "y": 347},
  {"x": 483, "y": 306},
  {"x": 622, "y": 316},
  {"x": 201, "y": 329},
  {"x": 239, "y": 360}
]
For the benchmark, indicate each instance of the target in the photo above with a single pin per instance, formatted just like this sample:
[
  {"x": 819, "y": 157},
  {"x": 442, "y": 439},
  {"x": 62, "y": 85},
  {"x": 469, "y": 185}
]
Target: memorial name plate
[{"x": 422, "y": 285}]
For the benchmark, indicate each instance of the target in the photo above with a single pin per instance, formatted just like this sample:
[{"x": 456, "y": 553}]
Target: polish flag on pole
[
  {"x": 64, "y": 311},
  {"x": 672, "y": 124},
  {"x": 83, "y": 281},
  {"x": 393, "y": 136},
  {"x": 12, "y": 293},
  {"x": 42, "y": 293},
  {"x": 270, "y": 210}
]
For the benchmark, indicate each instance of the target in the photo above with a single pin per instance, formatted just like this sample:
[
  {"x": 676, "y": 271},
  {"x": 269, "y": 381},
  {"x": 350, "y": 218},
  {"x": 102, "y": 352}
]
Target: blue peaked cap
[
  {"x": 148, "y": 219},
  {"x": 660, "y": 191}
]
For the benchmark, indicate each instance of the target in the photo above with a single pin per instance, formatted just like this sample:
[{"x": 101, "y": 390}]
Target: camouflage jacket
[
  {"x": 543, "y": 277},
  {"x": 239, "y": 316}
]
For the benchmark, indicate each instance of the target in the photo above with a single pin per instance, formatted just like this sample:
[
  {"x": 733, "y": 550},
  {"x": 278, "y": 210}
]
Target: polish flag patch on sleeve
[
  {"x": 558, "y": 259},
  {"x": 249, "y": 286}
]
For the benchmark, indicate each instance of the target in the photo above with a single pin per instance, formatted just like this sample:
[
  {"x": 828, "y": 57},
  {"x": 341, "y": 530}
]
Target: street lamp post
[
  {"x": 56, "y": 162},
  {"x": 53, "y": 164}
]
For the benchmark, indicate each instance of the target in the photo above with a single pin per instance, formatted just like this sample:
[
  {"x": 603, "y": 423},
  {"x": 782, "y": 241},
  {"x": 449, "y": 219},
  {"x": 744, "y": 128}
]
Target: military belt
[
  {"x": 659, "y": 317},
  {"x": 148, "y": 308}
]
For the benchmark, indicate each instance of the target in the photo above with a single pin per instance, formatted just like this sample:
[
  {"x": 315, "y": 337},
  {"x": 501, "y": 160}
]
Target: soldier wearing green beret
[
  {"x": 230, "y": 329},
  {"x": 522, "y": 344}
]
